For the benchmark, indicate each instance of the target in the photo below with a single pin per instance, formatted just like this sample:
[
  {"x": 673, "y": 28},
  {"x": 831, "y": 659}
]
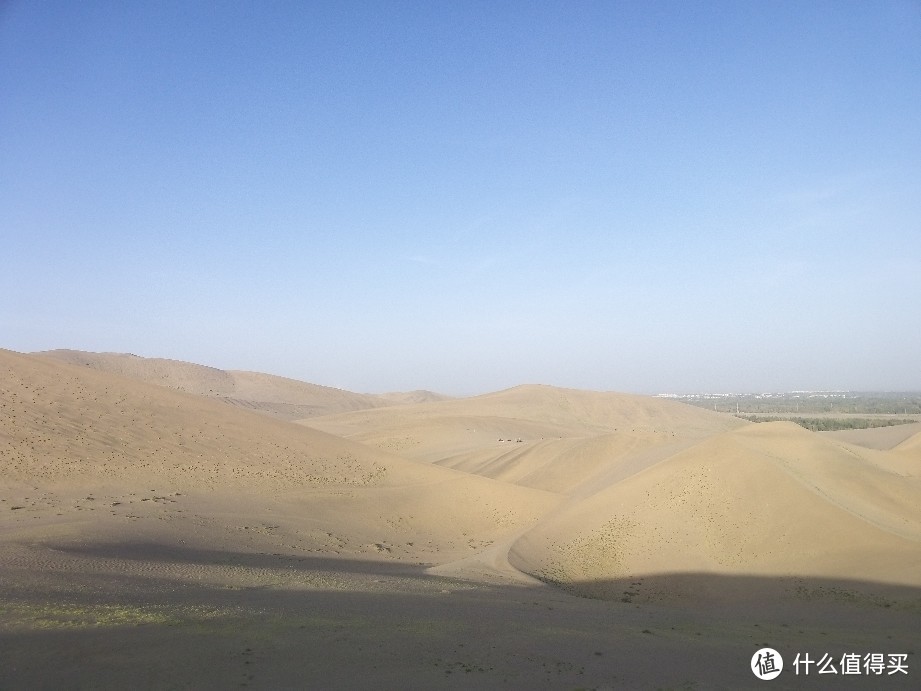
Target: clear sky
[{"x": 465, "y": 196}]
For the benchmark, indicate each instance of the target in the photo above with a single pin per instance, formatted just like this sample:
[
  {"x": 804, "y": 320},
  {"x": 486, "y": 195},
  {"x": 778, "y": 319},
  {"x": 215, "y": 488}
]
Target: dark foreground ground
[{"x": 79, "y": 615}]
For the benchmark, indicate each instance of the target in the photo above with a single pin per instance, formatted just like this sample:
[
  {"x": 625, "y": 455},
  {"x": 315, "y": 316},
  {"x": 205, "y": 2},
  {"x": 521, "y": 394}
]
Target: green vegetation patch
[
  {"x": 61, "y": 615},
  {"x": 831, "y": 424},
  {"x": 811, "y": 402}
]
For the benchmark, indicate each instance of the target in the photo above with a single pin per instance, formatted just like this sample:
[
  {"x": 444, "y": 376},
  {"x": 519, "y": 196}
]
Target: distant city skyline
[{"x": 641, "y": 197}]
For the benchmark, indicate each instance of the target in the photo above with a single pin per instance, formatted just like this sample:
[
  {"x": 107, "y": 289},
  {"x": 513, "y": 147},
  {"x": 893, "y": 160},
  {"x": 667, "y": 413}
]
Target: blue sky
[{"x": 465, "y": 196}]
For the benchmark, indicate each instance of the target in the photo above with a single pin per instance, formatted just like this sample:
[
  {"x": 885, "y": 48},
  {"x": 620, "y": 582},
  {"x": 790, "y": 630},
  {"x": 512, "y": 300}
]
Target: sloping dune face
[
  {"x": 911, "y": 448},
  {"x": 184, "y": 376},
  {"x": 881, "y": 438},
  {"x": 420, "y": 542},
  {"x": 559, "y": 440},
  {"x": 581, "y": 489},
  {"x": 279, "y": 397},
  {"x": 65, "y": 424},
  {"x": 770, "y": 499},
  {"x": 76, "y": 443},
  {"x": 651, "y": 487}
]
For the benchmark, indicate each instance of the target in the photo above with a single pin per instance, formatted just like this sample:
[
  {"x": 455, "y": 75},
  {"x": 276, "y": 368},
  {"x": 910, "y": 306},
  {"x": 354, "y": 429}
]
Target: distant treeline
[
  {"x": 849, "y": 403},
  {"x": 830, "y": 424}
]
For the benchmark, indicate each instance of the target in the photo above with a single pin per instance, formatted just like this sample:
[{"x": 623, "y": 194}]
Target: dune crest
[
  {"x": 280, "y": 397},
  {"x": 770, "y": 499},
  {"x": 71, "y": 436},
  {"x": 152, "y": 510}
]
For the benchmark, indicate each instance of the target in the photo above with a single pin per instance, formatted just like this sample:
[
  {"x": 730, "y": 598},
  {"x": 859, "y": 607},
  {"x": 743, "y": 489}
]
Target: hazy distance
[{"x": 662, "y": 197}]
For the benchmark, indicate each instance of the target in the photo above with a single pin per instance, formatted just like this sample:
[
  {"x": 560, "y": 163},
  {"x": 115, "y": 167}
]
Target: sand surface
[
  {"x": 279, "y": 397},
  {"x": 153, "y": 536},
  {"x": 883, "y": 438}
]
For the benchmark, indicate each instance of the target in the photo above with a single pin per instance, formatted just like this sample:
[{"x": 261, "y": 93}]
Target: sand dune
[
  {"x": 578, "y": 412},
  {"x": 140, "y": 513},
  {"x": 69, "y": 424},
  {"x": 411, "y": 397},
  {"x": 881, "y": 438},
  {"x": 71, "y": 438},
  {"x": 770, "y": 499},
  {"x": 538, "y": 436},
  {"x": 911, "y": 449},
  {"x": 280, "y": 397},
  {"x": 185, "y": 376},
  {"x": 654, "y": 487}
]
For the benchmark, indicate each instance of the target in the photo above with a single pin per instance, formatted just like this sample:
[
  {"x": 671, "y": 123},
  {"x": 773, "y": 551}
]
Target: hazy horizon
[
  {"x": 663, "y": 394},
  {"x": 652, "y": 198}
]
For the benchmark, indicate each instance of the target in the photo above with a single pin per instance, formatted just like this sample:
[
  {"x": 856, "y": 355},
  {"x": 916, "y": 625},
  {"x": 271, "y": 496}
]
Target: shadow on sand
[{"x": 199, "y": 618}]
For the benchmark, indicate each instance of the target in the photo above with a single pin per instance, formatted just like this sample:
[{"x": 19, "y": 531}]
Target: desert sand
[
  {"x": 169, "y": 525},
  {"x": 279, "y": 397}
]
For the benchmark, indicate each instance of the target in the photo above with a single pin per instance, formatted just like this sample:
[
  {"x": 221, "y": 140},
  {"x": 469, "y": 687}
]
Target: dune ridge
[
  {"x": 651, "y": 487},
  {"x": 743, "y": 502},
  {"x": 69, "y": 433},
  {"x": 280, "y": 397},
  {"x": 592, "y": 507},
  {"x": 565, "y": 471}
]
